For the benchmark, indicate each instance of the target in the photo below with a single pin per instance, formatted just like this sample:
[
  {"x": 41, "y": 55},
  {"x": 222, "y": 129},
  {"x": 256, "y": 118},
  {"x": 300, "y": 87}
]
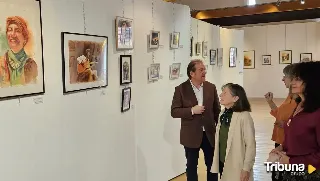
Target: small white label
[
  {"x": 181, "y": 46},
  {"x": 38, "y": 100},
  {"x": 161, "y": 77}
]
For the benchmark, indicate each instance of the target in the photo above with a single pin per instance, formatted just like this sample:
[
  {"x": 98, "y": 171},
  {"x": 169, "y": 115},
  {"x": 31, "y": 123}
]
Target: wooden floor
[{"x": 263, "y": 125}]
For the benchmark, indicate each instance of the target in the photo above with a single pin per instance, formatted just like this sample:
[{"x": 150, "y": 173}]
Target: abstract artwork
[
  {"x": 124, "y": 33},
  {"x": 174, "y": 71},
  {"x": 21, "y": 53},
  {"x": 125, "y": 69},
  {"x": 204, "y": 49},
  {"x": 285, "y": 57},
  {"x": 85, "y": 61},
  {"x": 126, "y": 99},
  {"x": 266, "y": 60},
  {"x": 220, "y": 57},
  {"x": 232, "y": 57},
  {"x": 249, "y": 59},
  {"x": 198, "y": 48},
  {"x": 154, "y": 39},
  {"x": 175, "y": 40},
  {"x": 305, "y": 57},
  {"x": 154, "y": 72},
  {"x": 213, "y": 57}
]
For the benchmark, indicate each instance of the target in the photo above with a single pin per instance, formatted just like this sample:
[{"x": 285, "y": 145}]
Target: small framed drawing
[
  {"x": 232, "y": 57},
  {"x": 125, "y": 69},
  {"x": 85, "y": 61},
  {"x": 305, "y": 57},
  {"x": 204, "y": 49},
  {"x": 198, "y": 48},
  {"x": 175, "y": 40},
  {"x": 174, "y": 71},
  {"x": 126, "y": 99},
  {"x": 266, "y": 59},
  {"x": 124, "y": 33},
  {"x": 213, "y": 57},
  {"x": 154, "y": 39},
  {"x": 154, "y": 72},
  {"x": 249, "y": 59},
  {"x": 220, "y": 57},
  {"x": 285, "y": 57}
]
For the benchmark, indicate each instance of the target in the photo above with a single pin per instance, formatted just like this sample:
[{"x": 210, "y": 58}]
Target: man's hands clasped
[{"x": 197, "y": 109}]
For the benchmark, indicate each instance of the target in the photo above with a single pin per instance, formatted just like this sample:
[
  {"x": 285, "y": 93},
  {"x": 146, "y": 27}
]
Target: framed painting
[
  {"x": 285, "y": 57},
  {"x": 204, "y": 49},
  {"x": 249, "y": 59},
  {"x": 125, "y": 69},
  {"x": 154, "y": 72},
  {"x": 85, "y": 61},
  {"x": 154, "y": 39},
  {"x": 126, "y": 99},
  {"x": 305, "y": 57},
  {"x": 220, "y": 57},
  {"x": 213, "y": 57},
  {"x": 175, "y": 40},
  {"x": 21, "y": 49},
  {"x": 174, "y": 71},
  {"x": 266, "y": 59},
  {"x": 198, "y": 48},
  {"x": 124, "y": 33},
  {"x": 233, "y": 57}
]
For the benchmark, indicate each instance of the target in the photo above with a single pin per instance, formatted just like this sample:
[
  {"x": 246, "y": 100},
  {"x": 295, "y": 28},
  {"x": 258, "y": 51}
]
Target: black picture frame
[
  {"x": 123, "y": 97},
  {"x": 263, "y": 56},
  {"x": 213, "y": 56},
  {"x": 301, "y": 54},
  {"x": 233, "y": 63},
  {"x": 290, "y": 56},
  {"x": 122, "y": 57},
  {"x": 63, "y": 36}
]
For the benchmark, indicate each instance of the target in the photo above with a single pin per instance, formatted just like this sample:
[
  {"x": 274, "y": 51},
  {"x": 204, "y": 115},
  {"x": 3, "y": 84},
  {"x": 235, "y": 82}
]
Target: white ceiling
[{"x": 216, "y": 4}]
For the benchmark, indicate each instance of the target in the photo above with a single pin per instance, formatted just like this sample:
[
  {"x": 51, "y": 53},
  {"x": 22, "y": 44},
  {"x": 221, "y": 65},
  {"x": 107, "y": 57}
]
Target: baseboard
[{"x": 177, "y": 176}]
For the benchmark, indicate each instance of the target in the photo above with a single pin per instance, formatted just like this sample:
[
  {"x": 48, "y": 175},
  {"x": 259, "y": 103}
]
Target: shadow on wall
[{"x": 141, "y": 166}]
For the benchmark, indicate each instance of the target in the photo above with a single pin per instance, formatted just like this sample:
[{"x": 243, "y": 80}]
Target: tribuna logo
[{"x": 295, "y": 169}]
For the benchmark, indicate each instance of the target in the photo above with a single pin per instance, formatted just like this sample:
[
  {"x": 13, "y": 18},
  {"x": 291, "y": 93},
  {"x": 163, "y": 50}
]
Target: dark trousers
[
  {"x": 277, "y": 176},
  {"x": 192, "y": 155}
]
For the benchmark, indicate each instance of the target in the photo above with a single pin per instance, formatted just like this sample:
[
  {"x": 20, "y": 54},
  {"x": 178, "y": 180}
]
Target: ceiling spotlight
[{"x": 302, "y": 2}]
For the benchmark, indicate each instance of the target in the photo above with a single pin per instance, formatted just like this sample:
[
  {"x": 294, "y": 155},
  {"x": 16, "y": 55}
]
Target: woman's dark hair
[
  {"x": 309, "y": 74},
  {"x": 242, "y": 103}
]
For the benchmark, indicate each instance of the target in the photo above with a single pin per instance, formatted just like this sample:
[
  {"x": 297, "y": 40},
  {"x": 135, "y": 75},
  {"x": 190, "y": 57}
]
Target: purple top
[{"x": 302, "y": 139}]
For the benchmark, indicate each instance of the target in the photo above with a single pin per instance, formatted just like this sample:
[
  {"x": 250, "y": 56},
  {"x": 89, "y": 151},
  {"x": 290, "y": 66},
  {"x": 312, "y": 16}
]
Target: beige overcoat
[{"x": 241, "y": 147}]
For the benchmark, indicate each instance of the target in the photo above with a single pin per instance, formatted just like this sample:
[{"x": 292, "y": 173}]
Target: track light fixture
[{"x": 302, "y": 2}]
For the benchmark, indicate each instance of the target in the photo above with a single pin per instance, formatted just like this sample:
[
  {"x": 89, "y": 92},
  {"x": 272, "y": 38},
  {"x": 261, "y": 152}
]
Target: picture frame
[
  {"x": 191, "y": 46},
  {"x": 154, "y": 72},
  {"x": 25, "y": 21},
  {"x": 174, "y": 71},
  {"x": 249, "y": 61},
  {"x": 126, "y": 99},
  {"x": 204, "y": 49},
  {"x": 220, "y": 57},
  {"x": 232, "y": 57},
  {"x": 198, "y": 48},
  {"x": 306, "y": 57},
  {"x": 175, "y": 40},
  {"x": 84, "y": 61},
  {"x": 285, "y": 57},
  {"x": 266, "y": 59},
  {"x": 124, "y": 32},
  {"x": 125, "y": 69},
  {"x": 213, "y": 56},
  {"x": 154, "y": 39}
]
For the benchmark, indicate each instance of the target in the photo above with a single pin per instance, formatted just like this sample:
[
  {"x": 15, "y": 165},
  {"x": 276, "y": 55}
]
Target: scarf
[
  {"x": 226, "y": 116},
  {"x": 16, "y": 65}
]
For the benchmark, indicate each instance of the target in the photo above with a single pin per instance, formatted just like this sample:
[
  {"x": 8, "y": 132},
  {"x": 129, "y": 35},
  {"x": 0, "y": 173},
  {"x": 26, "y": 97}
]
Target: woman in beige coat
[{"x": 235, "y": 145}]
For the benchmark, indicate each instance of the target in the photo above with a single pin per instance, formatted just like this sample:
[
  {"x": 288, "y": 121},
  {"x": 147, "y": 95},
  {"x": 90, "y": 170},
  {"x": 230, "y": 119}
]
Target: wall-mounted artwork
[
  {"x": 85, "y": 61},
  {"x": 125, "y": 69},
  {"x": 126, "y": 99},
  {"x": 233, "y": 57},
  {"x": 198, "y": 48},
  {"x": 285, "y": 57},
  {"x": 175, "y": 40},
  {"x": 191, "y": 46},
  {"x": 21, "y": 53},
  {"x": 154, "y": 39},
  {"x": 213, "y": 57},
  {"x": 204, "y": 49},
  {"x": 305, "y": 57},
  {"x": 174, "y": 71},
  {"x": 266, "y": 60},
  {"x": 249, "y": 59},
  {"x": 124, "y": 33},
  {"x": 154, "y": 72},
  {"x": 220, "y": 57}
]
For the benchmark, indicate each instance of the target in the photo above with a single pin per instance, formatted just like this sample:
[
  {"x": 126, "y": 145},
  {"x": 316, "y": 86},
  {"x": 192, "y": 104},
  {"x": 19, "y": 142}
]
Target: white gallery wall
[{"x": 269, "y": 40}]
